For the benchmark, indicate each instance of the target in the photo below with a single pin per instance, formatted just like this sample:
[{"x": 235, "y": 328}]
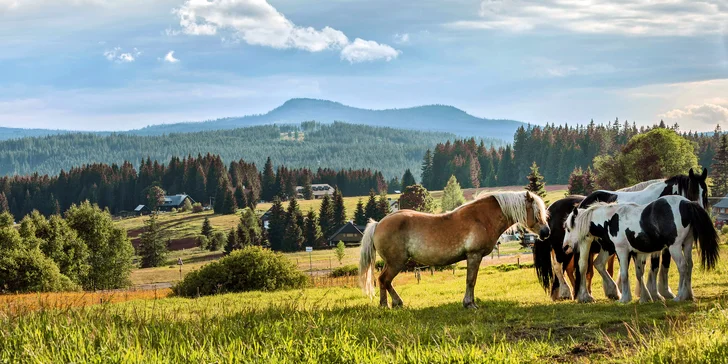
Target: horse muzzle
[
  {"x": 544, "y": 233},
  {"x": 567, "y": 249}
]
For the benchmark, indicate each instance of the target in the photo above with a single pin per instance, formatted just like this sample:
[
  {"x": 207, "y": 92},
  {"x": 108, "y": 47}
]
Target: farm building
[
  {"x": 142, "y": 210},
  {"x": 350, "y": 234},
  {"x": 319, "y": 191},
  {"x": 720, "y": 211},
  {"x": 174, "y": 202}
]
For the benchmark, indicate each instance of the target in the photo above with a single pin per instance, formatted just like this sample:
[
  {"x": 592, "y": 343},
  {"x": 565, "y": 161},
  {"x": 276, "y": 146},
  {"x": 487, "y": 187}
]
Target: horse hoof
[
  {"x": 470, "y": 305},
  {"x": 399, "y": 304},
  {"x": 668, "y": 295},
  {"x": 586, "y": 299},
  {"x": 625, "y": 300}
]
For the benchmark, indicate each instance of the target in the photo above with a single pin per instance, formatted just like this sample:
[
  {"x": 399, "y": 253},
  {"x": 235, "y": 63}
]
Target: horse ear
[
  {"x": 529, "y": 198},
  {"x": 691, "y": 174},
  {"x": 705, "y": 174},
  {"x": 576, "y": 210}
]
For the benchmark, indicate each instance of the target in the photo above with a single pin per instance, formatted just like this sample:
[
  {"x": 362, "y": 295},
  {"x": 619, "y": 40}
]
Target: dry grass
[{"x": 21, "y": 303}]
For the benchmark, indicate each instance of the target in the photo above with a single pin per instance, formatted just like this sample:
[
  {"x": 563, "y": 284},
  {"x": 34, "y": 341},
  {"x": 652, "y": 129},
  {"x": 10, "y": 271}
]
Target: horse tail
[
  {"x": 368, "y": 259},
  {"x": 542, "y": 263},
  {"x": 703, "y": 232}
]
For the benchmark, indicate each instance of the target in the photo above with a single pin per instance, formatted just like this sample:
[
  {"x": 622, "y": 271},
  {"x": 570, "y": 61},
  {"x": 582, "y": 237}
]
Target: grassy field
[{"x": 516, "y": 322}]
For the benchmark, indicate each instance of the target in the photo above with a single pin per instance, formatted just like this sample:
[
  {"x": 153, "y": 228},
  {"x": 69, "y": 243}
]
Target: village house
[
  {"x": 720, "y": 211},
  {"x": 319, "y": 191},
  {"x": 175, "y": 202},
  {"x": 350, "y": 234},
  {"x": 142, "y": 210}
]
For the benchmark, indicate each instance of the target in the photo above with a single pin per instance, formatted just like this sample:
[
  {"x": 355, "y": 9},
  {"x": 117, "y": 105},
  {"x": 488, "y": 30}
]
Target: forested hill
[
  {"x": 440, "y": 118},
  {"x": 337, "y": 146}
]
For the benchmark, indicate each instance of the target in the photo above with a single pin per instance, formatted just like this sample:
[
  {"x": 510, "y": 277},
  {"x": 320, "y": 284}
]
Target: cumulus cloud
[
  {"x": 119, "y": 56},
  {"x": 642, "y": 17},
  {"x": 170, "y": 57},
  {"x": 256, "y": 22},
  {"x": 402, "y": 38},
  {"x": 368, "y": 50},
  {"x": 706, "y": 114}
]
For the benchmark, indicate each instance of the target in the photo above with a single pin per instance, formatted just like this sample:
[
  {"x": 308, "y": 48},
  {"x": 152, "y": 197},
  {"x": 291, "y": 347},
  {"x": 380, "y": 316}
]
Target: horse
[
  {"x": 630, "y": 229},
  {"x": 469, "y": 232},
  {"x": 692, "y": 186}
]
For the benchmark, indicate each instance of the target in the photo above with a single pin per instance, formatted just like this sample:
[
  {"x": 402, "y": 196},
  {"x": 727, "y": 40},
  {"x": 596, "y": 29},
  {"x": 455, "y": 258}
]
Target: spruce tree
[
  {"x": 589, "y": 181},
  {"x": 382, "y": 207},
  {"x": 243, "y": 235},
  {"x": 426, "y": 175},
  {"x": 719, "y": 168},
  {"x": 370, "y": 212},
  {"x": 152, "y": 245},
  {"x": 312, "y": 231},
  {"x": 276, "y": 225},
  {"x": 535, "y": 182},
  {"x": 207, "y": 228},
  {"x": 268, "y": 182},
  {"x": 452, "y": 195},
  {"x": 229, "y": 206},
  {"x": 241, "y": 200},
  {"x": 4, "y": 207},
  {"x": 232, "y": 242},
  {"x": 307, "y": 188},
  {"x": 394, "y": 185},
  {"x": 576, "y": 182},
  {"x": 408, "y": 179},
  {"x": 251, "y": 223},
  {"x": 326, "y": 215},
  {"x": 292, "y": 238},
  {"x": 339, "y": 210},
  {"x": 360, "y": 217}
]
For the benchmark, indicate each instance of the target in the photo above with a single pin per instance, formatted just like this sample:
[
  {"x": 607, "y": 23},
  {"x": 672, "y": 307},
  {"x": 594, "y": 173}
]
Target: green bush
[
  {"x": 197, "y": 207},
  {"x": 217, "y": 242},
  {"x": 249, "y": 269},
  {"x": 202, "y": 241},
  {"x": 31, "y": 271},
  {"x": 345, "y": 271},
  {"x": 724, "y": 229}
]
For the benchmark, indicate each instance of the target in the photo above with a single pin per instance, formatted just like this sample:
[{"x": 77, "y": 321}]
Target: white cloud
[
  {"x": 402, "y": 38},
  {"x": 257, "y": 23},
  {"x": 706, "y": 114},
  {"x": 643, "y": 17},
  {"x": 170, "y": 57},
  {"x": 118, "y": 56},
  {"x": 367, "y": 51}
]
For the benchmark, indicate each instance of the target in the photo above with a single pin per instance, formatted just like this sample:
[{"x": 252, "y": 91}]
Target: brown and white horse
[{"x": 468, "y": 232}]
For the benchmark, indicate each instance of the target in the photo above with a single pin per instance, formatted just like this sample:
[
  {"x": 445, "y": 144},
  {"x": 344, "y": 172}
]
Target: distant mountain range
[{"x": 441, "y": 118}]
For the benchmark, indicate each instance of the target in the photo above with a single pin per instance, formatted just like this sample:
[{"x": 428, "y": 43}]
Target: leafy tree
[
  {"x": 339, "y": 209},
  {"x": 536, "y": 183},
  {"x": 417, "y": 198},
  {"x": 719, "y": 172},
  {"x": 408, "y": 179},
  {"x": 360, "y": 217},
  {"x": 61, "y": 244},
  {"x": 312, "y": 232},
  {"x": 276, "y": 225},
  {"x": 232, "y": 241},
  {"x": 452, "y": 195},
  {"x": 155, "y": 197},
  {"x": 152, "y": 245},
  {"x": 340, "y": 251},
  {"x": 326, "y": 215},
  {"x": 31, "y": 271},
  {"x": 110, "y": 250},
  {"x": 207, "y": 228}
]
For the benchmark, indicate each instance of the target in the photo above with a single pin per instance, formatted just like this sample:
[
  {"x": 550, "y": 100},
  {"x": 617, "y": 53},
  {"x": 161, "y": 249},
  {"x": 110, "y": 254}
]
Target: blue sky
[{"x": 115, "y": 65}]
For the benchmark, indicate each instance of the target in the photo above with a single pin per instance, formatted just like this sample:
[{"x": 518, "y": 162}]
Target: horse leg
[
  {"x": 571, "y": 271},
  {"x": 474, "y": 260},
  {"x": 652, "y": 278},
  {"x": 590, "y": 271},
  {"x": 583, "y": 294},
  {"x": 688, "y": 255},
  {"x": 610, "y": 265},
  {"x": 385, "y": 286},
  {"x": 560, "y": 290},
  {"x": 623, "y": 256},
  {"x": 610, "y": 288},
  {"x": 639, "y": 267},
  {"x": 676, "y": 251},
  {"x": 662, "y": 284}
]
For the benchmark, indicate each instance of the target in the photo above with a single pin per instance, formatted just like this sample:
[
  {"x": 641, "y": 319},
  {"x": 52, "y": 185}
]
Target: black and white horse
[
  {"x": 549, "y": 255},
  {"x": 672, "y": 223}
]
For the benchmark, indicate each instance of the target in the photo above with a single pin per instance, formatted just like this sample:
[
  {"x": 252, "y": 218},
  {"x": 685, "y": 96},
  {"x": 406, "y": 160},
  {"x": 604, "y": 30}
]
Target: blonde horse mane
[
  {"x": 513, "y": 205},
  {"x": 640, "y": 186}
]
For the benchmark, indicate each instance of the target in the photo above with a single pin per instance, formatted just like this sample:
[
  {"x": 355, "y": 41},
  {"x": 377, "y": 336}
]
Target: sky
[{"x": 118, "y": 65}]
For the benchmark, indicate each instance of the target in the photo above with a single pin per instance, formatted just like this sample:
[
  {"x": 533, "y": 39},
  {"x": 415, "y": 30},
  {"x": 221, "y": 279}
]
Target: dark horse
[{"x": 550, "y": 273}]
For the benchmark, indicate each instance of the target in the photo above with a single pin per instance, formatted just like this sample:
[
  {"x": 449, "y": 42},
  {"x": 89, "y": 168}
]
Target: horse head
[
  {"x": 537, "y": 216},
  {"x": 697, "y": 188}
]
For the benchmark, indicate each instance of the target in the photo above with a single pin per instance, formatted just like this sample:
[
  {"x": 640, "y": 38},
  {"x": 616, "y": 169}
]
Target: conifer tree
[
  {"x": 307, "y": 188},
  {"x": 4, "y": 207},
  {"x": 312, "y": 231},
  {"x": 576, "y": 182},
  {"x": 370, "y": 212},
  {"x": 206, "y": 228},
  {"x": 339, "y": 209},
  {"x": 426, "y": 175},
  {"x": 292, "y": 238},
  {"x": 535, "y": 182},
  {"x": 408, "y": 179},
  {"x": 152, "y": 245},
  {"x": 229, "y": 206},
  {"x": 326, "y": 215},
  {"x": 276, "y": 225},
  {"x": 243, "y": 235},
  {"x": 382, "y": 207},
  {"x": 720, "y": 168},
  {"x": 452, "y": 195},
  {"x": 232, "y": 242},
  {"x": 268, "y": 182},
  {"x": 360, "y": 217}
]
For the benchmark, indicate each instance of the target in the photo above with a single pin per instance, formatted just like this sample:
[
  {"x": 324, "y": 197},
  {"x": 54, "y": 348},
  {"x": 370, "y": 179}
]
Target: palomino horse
[
  {"x": 468, "y": 232},
  {"x": 692, "y": 186},
  {"x": 671, "y": 223}
]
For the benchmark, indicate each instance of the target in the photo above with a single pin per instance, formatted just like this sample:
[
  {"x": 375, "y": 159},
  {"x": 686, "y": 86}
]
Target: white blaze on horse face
[
  {"x": 675, "y": 189},
  {"x": 700, "y": 196}
]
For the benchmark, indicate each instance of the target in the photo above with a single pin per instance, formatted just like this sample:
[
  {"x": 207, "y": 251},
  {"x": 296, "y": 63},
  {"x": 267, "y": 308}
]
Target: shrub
[
  {"x": 187, "y": 207},
  {"x": 203, "y": 242},
  {"x": 31, "y": 271},
  {"x": 174, "y": 210},
  {"x": 197, "y": 207},
  {"x": 217, "y": 242},
  {"x": 724, "y": 229},
  {"x": 345, "y": 271},
  {"x": 249, "y": 269}
]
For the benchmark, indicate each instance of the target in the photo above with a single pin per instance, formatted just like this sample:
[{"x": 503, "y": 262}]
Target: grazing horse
[
  {"x": 468, "y": 232},
  {"x": 672, "y": 223}
]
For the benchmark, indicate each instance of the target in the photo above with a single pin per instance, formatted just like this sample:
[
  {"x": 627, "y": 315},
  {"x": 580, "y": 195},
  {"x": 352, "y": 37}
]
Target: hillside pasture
[{"x": 516, "y": 322}]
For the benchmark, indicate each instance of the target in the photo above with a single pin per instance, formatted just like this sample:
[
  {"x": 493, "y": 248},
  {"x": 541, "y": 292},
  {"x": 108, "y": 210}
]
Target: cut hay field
[{"x": 516, "y": 322}]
